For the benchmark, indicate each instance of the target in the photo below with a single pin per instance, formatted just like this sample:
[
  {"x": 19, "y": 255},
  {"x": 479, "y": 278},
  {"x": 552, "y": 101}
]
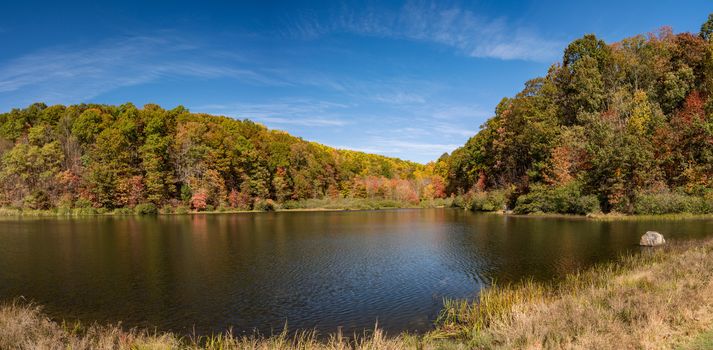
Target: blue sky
[{"x": 406, "y": 79}]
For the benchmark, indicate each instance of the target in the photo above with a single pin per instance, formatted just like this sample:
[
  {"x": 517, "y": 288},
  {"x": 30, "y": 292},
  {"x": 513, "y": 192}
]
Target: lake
[{"x": 323, "y": 270}]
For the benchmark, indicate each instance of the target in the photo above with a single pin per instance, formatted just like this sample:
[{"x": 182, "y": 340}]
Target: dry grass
[
  {"x": 24, "y": 326},
  {"x": 647, "y": 217},
  {"x": 660, "y": 299}
]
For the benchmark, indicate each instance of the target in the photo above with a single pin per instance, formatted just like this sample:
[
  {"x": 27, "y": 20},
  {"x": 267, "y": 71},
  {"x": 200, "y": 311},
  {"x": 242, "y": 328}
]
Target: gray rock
[{"x": 651, "y": 239}]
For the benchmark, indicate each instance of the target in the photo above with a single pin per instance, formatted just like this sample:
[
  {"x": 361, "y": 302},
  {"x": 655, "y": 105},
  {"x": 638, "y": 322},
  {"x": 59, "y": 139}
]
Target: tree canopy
[
  {"x": 120, "y": 156},
  {"x": 619, "y": 122}
]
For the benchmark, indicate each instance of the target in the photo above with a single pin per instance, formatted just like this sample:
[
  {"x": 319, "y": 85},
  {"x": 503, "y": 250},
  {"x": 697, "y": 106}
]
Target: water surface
[{"x": 320, "y": 270}]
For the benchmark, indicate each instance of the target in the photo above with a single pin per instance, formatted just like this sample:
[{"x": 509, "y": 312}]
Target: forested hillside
[
  {"x": 99, "y": 156},
  {"x": 625, "y": 127}
]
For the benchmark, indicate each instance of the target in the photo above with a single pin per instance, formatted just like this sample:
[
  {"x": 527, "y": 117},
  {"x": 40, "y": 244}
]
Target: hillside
[
  {"x": 99, "y": 156},
  {"x": 623, "y": 127}
]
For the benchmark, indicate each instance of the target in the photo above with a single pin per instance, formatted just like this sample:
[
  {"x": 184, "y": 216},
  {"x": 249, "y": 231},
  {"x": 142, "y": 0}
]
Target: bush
[
  {"x": 82, "y": 203},
  {"x": 669, "y": 203},
  {"x": 291, "y": 204},
  {"x": 64, "y": 205},
  {"x": 264, "y": 205},
  {"x": 489, "y": 201},
  {"x": 123, "y": 211},
  {"x": 181, "y": 210},
  {"x": 64, "y": 210},
  {"x": 438, "y": 203},
  {"x": 199, "y": 201},
  {"x": 81, "y": 211},
  {"x": 101, "y": 210},
  {"x": 38, "y": 200},
  {"x": 565, "y": 199},
  {"x": 146, "y": 209},
  {"x": 167, "y": 209},
  {"x": 482, "y": 201}
]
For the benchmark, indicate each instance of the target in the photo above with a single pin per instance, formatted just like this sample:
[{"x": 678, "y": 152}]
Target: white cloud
[
  {"x": 400, "y": 97},
  {"x": 299, "y": 112},
  {"x": 394, "y": 146},
  {"x": 303, "y": 121},
  {"x": 74, "y": 74},
  {"x": 363, "y": 149},
  {"x": 453, "y": 26}
]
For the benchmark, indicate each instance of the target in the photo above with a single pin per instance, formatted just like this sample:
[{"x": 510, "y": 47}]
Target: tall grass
[
  {"x": 23, "y": 326},
  {"x": 659, "y": 299}
]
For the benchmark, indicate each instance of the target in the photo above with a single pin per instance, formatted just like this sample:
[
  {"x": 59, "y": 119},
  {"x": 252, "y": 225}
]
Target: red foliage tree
[{"x": 199, "y": 201}]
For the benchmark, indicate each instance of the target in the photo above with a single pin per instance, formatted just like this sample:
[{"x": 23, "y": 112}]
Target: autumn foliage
[
  {"x": 122, "y": 156},
  {"x": 622, "y": 123}
]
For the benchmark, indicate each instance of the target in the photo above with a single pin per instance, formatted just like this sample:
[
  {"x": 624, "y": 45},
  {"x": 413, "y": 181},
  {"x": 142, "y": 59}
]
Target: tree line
[
  {"x": 109, "y": 157},
  {"x": 624, "y": 127}
]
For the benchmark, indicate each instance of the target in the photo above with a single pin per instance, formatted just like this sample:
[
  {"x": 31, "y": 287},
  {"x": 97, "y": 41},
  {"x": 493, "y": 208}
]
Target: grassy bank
[
  {"x": 302, "y": 205},
  {"x": 670, "y": 216},
  {"x": 660, "y": 299}
]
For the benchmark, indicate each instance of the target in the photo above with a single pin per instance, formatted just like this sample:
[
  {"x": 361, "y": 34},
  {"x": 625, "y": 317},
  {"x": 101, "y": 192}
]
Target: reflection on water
[{"x": 311, "y": 269}]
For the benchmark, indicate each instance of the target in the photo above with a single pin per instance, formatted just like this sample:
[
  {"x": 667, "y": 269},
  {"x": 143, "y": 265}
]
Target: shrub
[
  {"x": 64, "y": 204},
  {"x": 264, "y": 205},
  {"x": 181, "y": 210},
  {"x": 101, "y": 210},
  {"x": 446, "y": 202},
  {"x": 565, "y": 199},
  {"x": 146, "y": 209},
  {"x": 291, "y": 204},
  {"x": 668, "y": 202},
  {"x": 123, "y": 211},
  {"x": 482, "y": 200},
  {"x": 84, "y": 211},
  {"x": 64, "y": 210},
  {"x": 489, "y": 201},
  {"x": 199, "y": 201},
  {"x": 82, "y": 203},
  {"x": 39, "y": 200},
  {"x": 239, "y": 200}
]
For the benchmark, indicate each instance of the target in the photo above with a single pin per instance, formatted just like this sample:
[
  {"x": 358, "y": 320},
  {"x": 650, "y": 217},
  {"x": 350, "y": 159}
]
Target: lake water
[{"x": 323, "y": 270}]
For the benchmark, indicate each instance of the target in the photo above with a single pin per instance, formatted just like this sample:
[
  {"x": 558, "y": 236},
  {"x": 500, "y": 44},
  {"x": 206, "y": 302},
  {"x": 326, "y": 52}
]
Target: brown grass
[
  {"x": 660, "y": 299},
  {"x": 24, "y": 326}
]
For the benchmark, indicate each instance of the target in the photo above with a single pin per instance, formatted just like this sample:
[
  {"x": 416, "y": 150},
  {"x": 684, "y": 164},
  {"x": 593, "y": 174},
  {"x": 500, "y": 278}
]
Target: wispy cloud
[
  {"x": 363, "y": 149},
  {"x": 390, "y": 147},
  {"x": 73, "y": 74},
  {"x": 299, "y": 112},
  {"x": 303, "y": 121},
  {"x": 396, "y": 146},
  {"x": 472, "y": 34},
  {"x": 400, "y": 97}
]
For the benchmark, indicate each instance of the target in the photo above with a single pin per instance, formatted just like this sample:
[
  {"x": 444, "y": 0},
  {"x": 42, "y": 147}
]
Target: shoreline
[
  {"x": 662, "y": 298},
  {"x": 78, "y": 212}
]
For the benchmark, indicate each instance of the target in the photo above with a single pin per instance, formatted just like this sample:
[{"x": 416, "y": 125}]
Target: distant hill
[{"x": 120, "y": 156}]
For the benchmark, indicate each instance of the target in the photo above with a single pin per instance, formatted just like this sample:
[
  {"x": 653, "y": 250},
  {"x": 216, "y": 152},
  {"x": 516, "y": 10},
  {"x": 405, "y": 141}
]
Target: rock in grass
[{"x": 651, "y": 239}]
